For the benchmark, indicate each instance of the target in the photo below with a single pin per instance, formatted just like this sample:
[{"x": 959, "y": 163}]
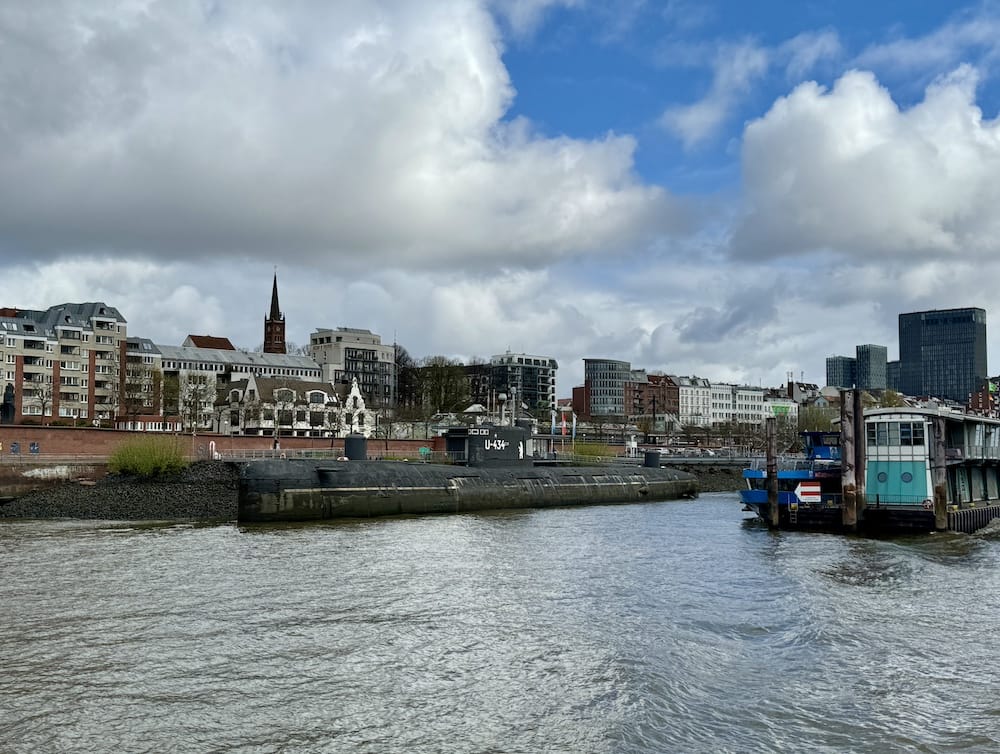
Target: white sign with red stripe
[{"x": 808, "y": 492}]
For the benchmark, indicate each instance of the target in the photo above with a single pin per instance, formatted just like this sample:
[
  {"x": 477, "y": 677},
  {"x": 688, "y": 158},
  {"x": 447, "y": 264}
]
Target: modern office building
[
  {"x": 841, "y": 371},
  {"x": 942, "y": 352},
  {"x": 604, "y": 385},
  {"x": 870, "y": 365},
  {"x": 892, "y": 375}
]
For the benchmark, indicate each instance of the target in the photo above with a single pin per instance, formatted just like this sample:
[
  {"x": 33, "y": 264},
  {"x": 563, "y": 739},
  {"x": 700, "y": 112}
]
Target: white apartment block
[
  {"x": 348, "y": 353},
  {"x": 695, "y": 400},
  {"x": 744, "y": 404},
  {"x": 62, "y": 363},
  {"x": 741, "y": 404}
]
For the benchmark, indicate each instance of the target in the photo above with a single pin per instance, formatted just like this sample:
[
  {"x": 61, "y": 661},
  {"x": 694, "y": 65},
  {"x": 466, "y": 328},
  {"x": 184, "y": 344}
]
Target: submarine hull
[{"x": 311, "y": 490}]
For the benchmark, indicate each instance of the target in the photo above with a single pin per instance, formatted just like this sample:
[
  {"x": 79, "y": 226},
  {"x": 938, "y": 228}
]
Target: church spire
[
  {"x": 274, "y": 323},
  {"x": 275, "y": 310}
]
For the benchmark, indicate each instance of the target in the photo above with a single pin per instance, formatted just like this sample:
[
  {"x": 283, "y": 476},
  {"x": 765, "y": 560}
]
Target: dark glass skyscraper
[
  {"x": 841, "y": 371},
  {"x": 871, "y": 363},
  {"x": 942, "y": 352}
]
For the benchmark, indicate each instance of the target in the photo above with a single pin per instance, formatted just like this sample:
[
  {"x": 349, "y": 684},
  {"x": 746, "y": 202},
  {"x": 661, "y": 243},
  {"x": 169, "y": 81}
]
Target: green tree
[
  {"x": 817, "y": 419},
  {"x": 891, "y": 399}
]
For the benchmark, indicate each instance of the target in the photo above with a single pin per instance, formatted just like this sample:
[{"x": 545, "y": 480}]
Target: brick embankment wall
[
  {"x": 80, "y": 442},
  {"x": 204, "y": 491}
]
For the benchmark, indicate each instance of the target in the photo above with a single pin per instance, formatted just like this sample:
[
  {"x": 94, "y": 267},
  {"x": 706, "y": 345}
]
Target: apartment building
[
  {"x": 349, "y": 353},
  {"x": 694, "y": 401},
  {"x": 528, "y": 378},
  {"x": 655, "y": 398},
  {"x": 62, "y": 363}
]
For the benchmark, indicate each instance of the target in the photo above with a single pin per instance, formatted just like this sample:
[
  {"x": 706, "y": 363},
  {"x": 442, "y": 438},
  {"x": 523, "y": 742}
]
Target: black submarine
[{"x": 498, "y": 474}]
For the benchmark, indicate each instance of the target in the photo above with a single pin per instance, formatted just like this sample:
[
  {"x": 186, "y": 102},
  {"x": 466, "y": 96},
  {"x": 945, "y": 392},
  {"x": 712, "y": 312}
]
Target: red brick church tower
[{"x": 274, "y": 324}]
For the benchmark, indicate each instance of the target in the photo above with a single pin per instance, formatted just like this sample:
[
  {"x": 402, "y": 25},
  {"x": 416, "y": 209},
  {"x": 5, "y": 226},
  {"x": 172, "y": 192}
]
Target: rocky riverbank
[
  {"x": 205, "y": 491},
  {"x": 715, "y": 478}
]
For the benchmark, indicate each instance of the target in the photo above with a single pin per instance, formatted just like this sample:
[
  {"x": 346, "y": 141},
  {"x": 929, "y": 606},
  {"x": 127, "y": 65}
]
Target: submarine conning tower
[{"x": 488, "y": 446}]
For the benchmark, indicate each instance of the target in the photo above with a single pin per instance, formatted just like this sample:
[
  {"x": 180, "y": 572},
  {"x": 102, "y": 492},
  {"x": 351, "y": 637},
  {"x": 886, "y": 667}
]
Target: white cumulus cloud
[
  {"x": 329, "y": 133},
  {"x": 847, "y": 170}
]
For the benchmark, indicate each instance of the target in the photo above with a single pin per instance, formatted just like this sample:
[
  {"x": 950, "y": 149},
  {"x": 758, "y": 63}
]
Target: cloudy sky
[{"x": 724, "y": 189}]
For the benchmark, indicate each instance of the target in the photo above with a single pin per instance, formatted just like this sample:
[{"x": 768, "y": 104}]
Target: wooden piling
[
  {"x": 848, "y": 459},
  {"x": 770, "y": 426},
  {"x": 939, "y": 474},
  {"x": 860, "y": 457}
]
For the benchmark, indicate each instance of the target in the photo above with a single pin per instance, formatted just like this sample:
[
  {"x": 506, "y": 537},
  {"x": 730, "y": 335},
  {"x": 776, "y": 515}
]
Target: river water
[{"x": 663, "y": 627}]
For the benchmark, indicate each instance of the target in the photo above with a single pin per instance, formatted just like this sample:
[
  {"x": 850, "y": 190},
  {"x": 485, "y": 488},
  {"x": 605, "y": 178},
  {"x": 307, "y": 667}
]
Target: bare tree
[
  {"x": 170, "y": 395},
  {"x": 284, "y": 409},
  {"x": 137, "y": 390},
  {"x": 43, "y": 396},
  {"x": 445, "y": 387},
  {"x": 197, "y": 396}
]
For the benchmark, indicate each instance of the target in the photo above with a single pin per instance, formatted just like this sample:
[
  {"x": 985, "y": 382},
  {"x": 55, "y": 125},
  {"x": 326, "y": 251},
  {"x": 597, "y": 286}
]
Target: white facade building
[
  {"x": 695, "y": 401},
  {"x": 280, "y": 407}
]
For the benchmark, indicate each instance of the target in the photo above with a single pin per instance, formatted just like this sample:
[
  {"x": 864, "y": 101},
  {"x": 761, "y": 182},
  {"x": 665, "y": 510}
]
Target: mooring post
[
  {"x": 939, "y": 474},
  {"x": 770, "y": 425},
  {"x": 860, "y": 458},
  {"x": 848, "y": 460}
]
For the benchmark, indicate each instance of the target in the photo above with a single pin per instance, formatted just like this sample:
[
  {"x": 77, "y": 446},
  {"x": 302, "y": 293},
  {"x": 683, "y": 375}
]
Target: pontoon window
[
  {"x": 905, "y": 434},
  {"x": 893, "y": 428}
]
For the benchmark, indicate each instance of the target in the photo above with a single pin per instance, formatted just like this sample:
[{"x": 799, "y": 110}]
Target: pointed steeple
[
  {"x": 275, "y": 309},
  {"x": 274, "y": 324}
]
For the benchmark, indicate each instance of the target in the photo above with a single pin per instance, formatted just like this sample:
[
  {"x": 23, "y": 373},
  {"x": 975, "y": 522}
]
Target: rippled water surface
[{"x": 662, "y": 627}]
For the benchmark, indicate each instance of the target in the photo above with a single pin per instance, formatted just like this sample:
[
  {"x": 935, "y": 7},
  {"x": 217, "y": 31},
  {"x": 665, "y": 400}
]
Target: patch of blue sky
[{"x": 588, "y": 70}]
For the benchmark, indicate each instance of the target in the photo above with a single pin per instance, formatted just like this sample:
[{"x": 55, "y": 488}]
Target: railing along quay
[{"x": 49, "y": 459}]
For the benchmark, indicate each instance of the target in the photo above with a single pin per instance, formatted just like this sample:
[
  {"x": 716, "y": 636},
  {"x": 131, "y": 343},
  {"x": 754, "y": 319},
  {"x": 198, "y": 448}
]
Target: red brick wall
[{"x": 79, "y": 441}]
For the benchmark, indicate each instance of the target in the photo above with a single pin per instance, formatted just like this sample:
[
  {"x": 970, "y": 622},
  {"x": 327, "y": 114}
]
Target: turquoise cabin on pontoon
[{"x": 904, "y": 447}]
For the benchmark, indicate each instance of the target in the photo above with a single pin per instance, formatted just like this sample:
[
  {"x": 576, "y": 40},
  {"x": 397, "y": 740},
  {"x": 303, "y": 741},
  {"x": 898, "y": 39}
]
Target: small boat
[{"x": 809, "y": 487}]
